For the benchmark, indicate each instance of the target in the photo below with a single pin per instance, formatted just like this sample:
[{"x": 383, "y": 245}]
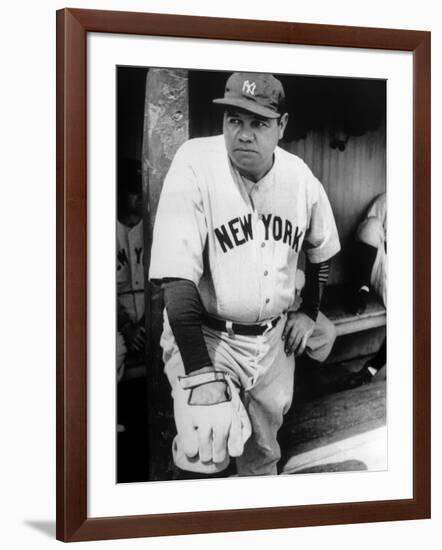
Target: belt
[{"x": 236, "y": 328}]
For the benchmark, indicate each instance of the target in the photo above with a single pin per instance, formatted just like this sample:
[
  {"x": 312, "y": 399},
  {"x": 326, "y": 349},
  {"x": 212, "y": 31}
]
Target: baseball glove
[{"x": 208, "y": 434}]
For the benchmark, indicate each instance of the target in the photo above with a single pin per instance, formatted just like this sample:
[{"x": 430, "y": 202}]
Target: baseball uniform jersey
[
  {"x": 237, "y": 240},
  {"x": 130, "y": 271}
]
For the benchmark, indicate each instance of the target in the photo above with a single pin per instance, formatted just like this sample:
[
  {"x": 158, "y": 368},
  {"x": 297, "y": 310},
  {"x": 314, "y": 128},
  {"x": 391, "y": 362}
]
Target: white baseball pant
[{"x": 265, "y": 374}]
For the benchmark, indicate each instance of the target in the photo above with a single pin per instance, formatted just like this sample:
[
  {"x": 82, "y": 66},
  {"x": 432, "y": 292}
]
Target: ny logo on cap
[{"x": 249, "y": 87}]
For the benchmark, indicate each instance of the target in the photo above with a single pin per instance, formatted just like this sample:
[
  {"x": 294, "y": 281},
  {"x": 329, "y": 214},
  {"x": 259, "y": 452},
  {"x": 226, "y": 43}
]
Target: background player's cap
[{"x": 258, "y": 93}]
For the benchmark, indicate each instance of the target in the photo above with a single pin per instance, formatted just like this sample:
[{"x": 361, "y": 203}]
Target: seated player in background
[
  {"x": 131, "y": 335},
  {"x": 370, "y": 263}
]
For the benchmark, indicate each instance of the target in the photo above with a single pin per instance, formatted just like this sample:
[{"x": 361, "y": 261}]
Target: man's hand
[
  {"x": 211, "y": 425},
  {"x": 298, "y": 329}
]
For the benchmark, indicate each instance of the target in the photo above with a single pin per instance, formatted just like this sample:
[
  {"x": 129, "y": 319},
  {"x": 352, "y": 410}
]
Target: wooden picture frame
[{"x": 73, "y": 523}]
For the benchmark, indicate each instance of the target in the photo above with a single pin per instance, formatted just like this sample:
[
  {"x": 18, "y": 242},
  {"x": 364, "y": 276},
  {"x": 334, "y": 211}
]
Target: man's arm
[
  {"x": 300, "y": 324},
  {"x": 184, "y": 310},
  {"x": 210, "y": 418},
  {"x": 316, "y": 277},
  {"x": 321, "y": 243}
]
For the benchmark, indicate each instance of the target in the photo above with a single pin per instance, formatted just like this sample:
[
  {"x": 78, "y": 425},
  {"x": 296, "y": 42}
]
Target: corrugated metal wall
[{"x": 351, "y": 178}]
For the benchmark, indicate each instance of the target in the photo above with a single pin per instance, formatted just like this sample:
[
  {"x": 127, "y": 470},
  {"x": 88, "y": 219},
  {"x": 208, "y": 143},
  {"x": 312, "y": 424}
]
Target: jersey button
[
  {"x": 266, "y": 273},
  {"x": 263, "y": 245},
  {"x": 267, "y": 300}
]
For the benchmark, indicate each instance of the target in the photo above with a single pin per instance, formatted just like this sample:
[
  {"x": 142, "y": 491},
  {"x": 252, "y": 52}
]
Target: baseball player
[
  {"x": 370, "y": 260},
  {"x": 370, "y": 254},
  {"x": 130, "y": 271},
  {"x": 234, "y": 214}
]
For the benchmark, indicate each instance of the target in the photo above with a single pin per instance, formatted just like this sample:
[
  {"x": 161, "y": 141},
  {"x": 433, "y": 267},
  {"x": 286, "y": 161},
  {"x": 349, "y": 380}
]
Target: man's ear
[{"x": 282, "y": 124}]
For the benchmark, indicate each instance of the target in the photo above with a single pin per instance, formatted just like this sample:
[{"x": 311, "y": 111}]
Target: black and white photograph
[
  {"x": 251, "y": 274},
  {"x": 195, "y": 275}
]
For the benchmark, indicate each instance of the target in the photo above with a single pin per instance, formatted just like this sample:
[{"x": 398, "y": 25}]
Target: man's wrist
[
  {"x": 202, "y": 370},
  {"x": 312, "y": 313}
]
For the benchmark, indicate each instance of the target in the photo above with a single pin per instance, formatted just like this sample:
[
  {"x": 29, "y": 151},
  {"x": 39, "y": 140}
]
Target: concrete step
[
  {"x": 362, "y": 452},
  {"x": 339, "y": 431}
]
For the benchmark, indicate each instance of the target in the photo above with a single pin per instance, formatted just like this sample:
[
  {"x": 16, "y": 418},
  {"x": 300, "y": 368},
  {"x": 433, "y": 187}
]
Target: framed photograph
[{"x": 223, "y": 302}]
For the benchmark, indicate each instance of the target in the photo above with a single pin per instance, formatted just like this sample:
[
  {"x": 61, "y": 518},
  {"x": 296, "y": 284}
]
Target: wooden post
[{"x": 166, "y": 127}]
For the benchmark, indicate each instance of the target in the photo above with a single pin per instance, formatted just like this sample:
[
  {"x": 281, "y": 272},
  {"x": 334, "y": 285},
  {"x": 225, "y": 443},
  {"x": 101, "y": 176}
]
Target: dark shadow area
[
  {"x": 132, "y": 454},
  {"x": 341, "y": 107},
  {"x": 131, "y": 85}
]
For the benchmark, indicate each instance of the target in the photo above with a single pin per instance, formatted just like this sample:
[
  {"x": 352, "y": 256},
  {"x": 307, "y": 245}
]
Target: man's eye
[
  {"x": 234, "y": 121},
  {"x": 260, "y": 124}
]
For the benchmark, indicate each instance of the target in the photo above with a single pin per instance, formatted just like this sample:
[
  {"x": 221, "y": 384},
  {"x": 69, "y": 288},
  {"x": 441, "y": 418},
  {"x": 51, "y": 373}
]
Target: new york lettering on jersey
[
  {"x": 239, "y": 230},
  {"x": 130, "y": 270}
]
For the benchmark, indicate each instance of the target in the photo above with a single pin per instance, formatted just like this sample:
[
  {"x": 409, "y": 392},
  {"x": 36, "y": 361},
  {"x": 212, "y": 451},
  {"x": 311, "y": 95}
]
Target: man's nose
[{"x": 246, "y": 134}]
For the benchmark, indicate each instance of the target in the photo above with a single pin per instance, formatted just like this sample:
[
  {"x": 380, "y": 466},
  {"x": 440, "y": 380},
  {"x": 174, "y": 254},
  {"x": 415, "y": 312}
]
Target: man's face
[
  {"x": 130, "y": 207},
  {"x": 134, "y": 202},
  {"x": 251, "y": 139}
]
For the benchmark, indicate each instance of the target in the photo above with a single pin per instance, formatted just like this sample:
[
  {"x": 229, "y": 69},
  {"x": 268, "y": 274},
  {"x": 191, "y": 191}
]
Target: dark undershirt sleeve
[
  {"x": 184, "y": 310},
  {"x": 316, "y": 276}
]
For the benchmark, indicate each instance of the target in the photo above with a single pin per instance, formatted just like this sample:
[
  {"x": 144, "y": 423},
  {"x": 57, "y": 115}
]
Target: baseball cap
[{"x": 258, "y": 93}]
